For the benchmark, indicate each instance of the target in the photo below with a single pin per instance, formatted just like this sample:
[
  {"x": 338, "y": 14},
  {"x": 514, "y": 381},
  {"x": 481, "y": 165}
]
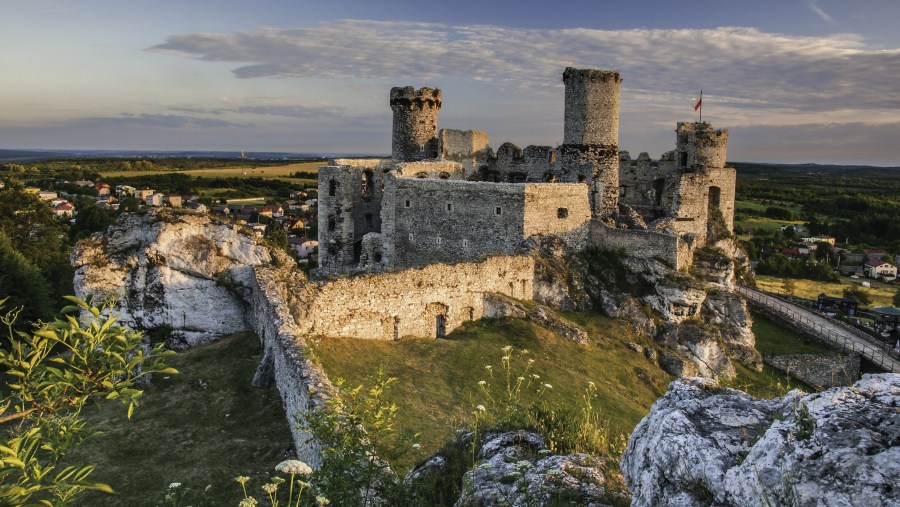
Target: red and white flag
[{"x": 698, "y": 103}]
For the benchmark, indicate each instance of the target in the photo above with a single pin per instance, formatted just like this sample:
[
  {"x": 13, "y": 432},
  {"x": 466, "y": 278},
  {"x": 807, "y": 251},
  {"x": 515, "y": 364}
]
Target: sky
[{"x": 793, "y": 80}]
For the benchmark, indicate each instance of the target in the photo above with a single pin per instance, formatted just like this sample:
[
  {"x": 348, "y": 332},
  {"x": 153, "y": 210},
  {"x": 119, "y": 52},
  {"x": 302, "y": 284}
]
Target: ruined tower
[
  {"x": 590, "y": 150},
  {"x": 699, "y": 146},
  {"x": 415, "y": 123}
]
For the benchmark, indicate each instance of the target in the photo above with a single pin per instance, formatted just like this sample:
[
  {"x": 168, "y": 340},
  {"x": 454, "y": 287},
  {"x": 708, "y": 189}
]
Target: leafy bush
[{"x": 50, "y": 374}]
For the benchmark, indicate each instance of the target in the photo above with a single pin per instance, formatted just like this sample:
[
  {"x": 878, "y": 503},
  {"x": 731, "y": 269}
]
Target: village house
[
  {"x": 174, "y": 200},
  {"x": 880, "y": 270},
  {"x": 102, "y": 189},
  {"x": 154, "y": 199},
  {"x": 272, "y": 211},
  {"x": 47, "y": 195},
  {"x": 144, "y": 193},
  {"x": 64, "y": 210}
]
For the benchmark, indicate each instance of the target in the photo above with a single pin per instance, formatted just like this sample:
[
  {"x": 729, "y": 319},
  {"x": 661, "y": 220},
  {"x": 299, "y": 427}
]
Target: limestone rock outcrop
[
  {"x": 178, "y": 271},
  {"x": 703, "y": 445},
  {"x": 696, "y": 315}
]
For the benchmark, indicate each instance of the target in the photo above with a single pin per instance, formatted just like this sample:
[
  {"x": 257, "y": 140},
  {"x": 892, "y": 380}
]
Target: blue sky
[{"x": 794, "y": 80}]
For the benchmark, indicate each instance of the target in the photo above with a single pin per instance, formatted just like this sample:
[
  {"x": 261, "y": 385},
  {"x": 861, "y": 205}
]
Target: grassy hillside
[
  {"x": 881, "y": 293},
  {"x": 207, "y": 425},
  {"x": 202, "y": 427}
]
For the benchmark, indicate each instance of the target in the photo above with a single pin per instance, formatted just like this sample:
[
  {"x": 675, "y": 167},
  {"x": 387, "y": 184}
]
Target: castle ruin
[{"x": 445, "y": 196}]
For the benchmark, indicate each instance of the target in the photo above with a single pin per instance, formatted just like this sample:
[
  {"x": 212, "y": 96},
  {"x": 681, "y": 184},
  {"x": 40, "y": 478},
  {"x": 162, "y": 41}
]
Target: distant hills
[{"x": 35, "y": 155}]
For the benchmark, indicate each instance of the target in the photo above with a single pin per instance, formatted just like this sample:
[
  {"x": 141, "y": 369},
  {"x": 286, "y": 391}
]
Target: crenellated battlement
[{"x": 408, "y": 96}]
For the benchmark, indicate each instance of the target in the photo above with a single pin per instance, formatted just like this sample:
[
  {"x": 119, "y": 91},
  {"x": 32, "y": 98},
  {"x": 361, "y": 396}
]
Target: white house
[{"x": 880, "y": 269}]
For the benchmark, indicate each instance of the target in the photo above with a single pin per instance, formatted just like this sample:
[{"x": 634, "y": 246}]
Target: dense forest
[{"x": 856, "y": 204}]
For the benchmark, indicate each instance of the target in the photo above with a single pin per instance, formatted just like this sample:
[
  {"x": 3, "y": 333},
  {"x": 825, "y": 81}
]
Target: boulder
[{"x": 703, "y": 445}]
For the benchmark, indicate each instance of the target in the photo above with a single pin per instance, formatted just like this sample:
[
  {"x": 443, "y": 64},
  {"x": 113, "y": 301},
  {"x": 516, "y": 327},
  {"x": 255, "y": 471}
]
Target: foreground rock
[
  {"x": 517, "y": 469},
  {"x": 168, "y": 270},
  {"x": 705, "y": 445}
]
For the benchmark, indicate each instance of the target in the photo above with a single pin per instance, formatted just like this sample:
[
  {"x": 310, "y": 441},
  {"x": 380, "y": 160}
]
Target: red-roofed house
[
  {"x": 64, "y": 209},
  {"x": 272, "y": 210}
]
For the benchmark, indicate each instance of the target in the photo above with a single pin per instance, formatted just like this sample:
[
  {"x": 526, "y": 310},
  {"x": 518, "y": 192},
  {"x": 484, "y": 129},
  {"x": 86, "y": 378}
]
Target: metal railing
[{"x": 884, "y": 359}]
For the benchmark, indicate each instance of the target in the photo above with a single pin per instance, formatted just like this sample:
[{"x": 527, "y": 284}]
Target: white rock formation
[
  {"x": 706, "y": 445},
  {"x": 176, "y": 270}
]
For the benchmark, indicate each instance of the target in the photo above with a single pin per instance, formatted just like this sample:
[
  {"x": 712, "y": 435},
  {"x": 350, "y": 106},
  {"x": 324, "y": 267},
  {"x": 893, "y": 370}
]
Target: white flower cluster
[{"x": 293, "y": 467}]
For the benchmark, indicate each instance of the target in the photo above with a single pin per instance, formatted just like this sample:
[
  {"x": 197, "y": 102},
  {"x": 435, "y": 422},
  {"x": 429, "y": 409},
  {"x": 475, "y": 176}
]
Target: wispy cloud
[
  {"x": 814, "y": 6},
  {"x": 301, "y": 111},
  {"x": 737, "y": 66},
  {"x": 168, "y": 121}
]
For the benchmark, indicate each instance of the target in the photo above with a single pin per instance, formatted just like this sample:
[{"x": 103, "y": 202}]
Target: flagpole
[{"x": 701, "y": 106}]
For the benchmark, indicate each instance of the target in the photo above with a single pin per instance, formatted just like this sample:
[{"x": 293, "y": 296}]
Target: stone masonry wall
[
  {"x": 426, "y": 220},
  {"x": 700, "y": 145},
  {"x": 431, "y": 169},
  {"x": 468, "y": 147},
  {"x": 561, "y": 209},
  {"x": 412, "y": 302},
  {"x": 822, "y": 372}
]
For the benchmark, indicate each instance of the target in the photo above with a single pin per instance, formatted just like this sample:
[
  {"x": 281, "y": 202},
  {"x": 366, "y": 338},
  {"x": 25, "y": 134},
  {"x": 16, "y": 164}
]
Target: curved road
[{"x": 843, "y": 337}]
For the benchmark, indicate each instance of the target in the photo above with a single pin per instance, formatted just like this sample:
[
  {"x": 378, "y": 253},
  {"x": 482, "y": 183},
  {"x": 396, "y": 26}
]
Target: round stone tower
[
  {"x": 590, "y": 149},
  {"x": 415, "y": 123},
  {"x": 700, "y": 146},
  {"x": 592, "y": 106}
]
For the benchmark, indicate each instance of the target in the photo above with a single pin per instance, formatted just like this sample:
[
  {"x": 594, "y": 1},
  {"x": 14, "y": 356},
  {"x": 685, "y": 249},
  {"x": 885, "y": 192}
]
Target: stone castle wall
[
  {"x": 415, "y": 123},
  {"x": 426, "y": 220},
  {"x": 423, "y": 302},
  {"x": 442, "y": 170},
  {"x": 699, "y": 145}
]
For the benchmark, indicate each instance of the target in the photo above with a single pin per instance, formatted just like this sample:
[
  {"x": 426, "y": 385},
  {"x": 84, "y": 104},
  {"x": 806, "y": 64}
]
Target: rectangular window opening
[
  {"x": 498, "y": 210},
  {"x": 449, "y": 206},
  {"x": 407, "y": 203},
  {"x": 562, "y": 212}
]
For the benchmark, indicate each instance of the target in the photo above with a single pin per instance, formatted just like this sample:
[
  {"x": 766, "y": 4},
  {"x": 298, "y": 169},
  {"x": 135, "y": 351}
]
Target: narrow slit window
[
  {"x": 407, "y": 204},
  {"x": 562, "y": 212},
  {"x": 498, "y": 210},
  {"x": 449, "y": 206}
]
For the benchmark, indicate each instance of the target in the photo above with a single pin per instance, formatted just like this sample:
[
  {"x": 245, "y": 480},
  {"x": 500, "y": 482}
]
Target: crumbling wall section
[
  {"x": 350, "y": 199},
  {"x": 302, "y": 383},
  {"x": 424, "y": 302},
  {"x": 699, "y": 145},
  {"x": 439, "y": 170},
  {"x": 642, "y": 244}
]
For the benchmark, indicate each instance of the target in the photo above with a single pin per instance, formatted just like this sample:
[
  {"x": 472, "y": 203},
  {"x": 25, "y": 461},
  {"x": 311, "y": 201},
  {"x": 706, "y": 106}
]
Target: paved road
[{"x": 841, "y": 336}]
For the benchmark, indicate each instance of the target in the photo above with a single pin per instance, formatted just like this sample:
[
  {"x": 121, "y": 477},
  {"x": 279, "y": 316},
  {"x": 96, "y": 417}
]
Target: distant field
[
  {"x": 750, "y": 215},
  {"x": 881, "y": 293},
  {"x": 273, "y": 172}
]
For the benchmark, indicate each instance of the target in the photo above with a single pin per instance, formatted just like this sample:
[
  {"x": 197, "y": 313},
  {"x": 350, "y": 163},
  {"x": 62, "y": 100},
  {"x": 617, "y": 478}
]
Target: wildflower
[
  {"x": 270, "y": 488},
  {"x": 417, "y": 446},
  {"x": 321, "y": 500},
  {"x": 175, "y": 485},
  {"x": 302, "y": 484},
  {"x": 241, "y": 479},
  {"x": 293, "y": 467},
  {"x": 531, "y": 361},
  {"x": 535, "y": 376},
  {"x": 521, "y": 379},
  {"x": 590, "y": 383},
  {"x": 277, "y": 480},
  {"x": 248, "y": 502},
  {"x": 482, "y": 383},
  {"x": 488, "y": 367},
  {"x": 480, "y": 408},
  {"x": 548, "y": 386},
  {"x": 506, "y": 349}
]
